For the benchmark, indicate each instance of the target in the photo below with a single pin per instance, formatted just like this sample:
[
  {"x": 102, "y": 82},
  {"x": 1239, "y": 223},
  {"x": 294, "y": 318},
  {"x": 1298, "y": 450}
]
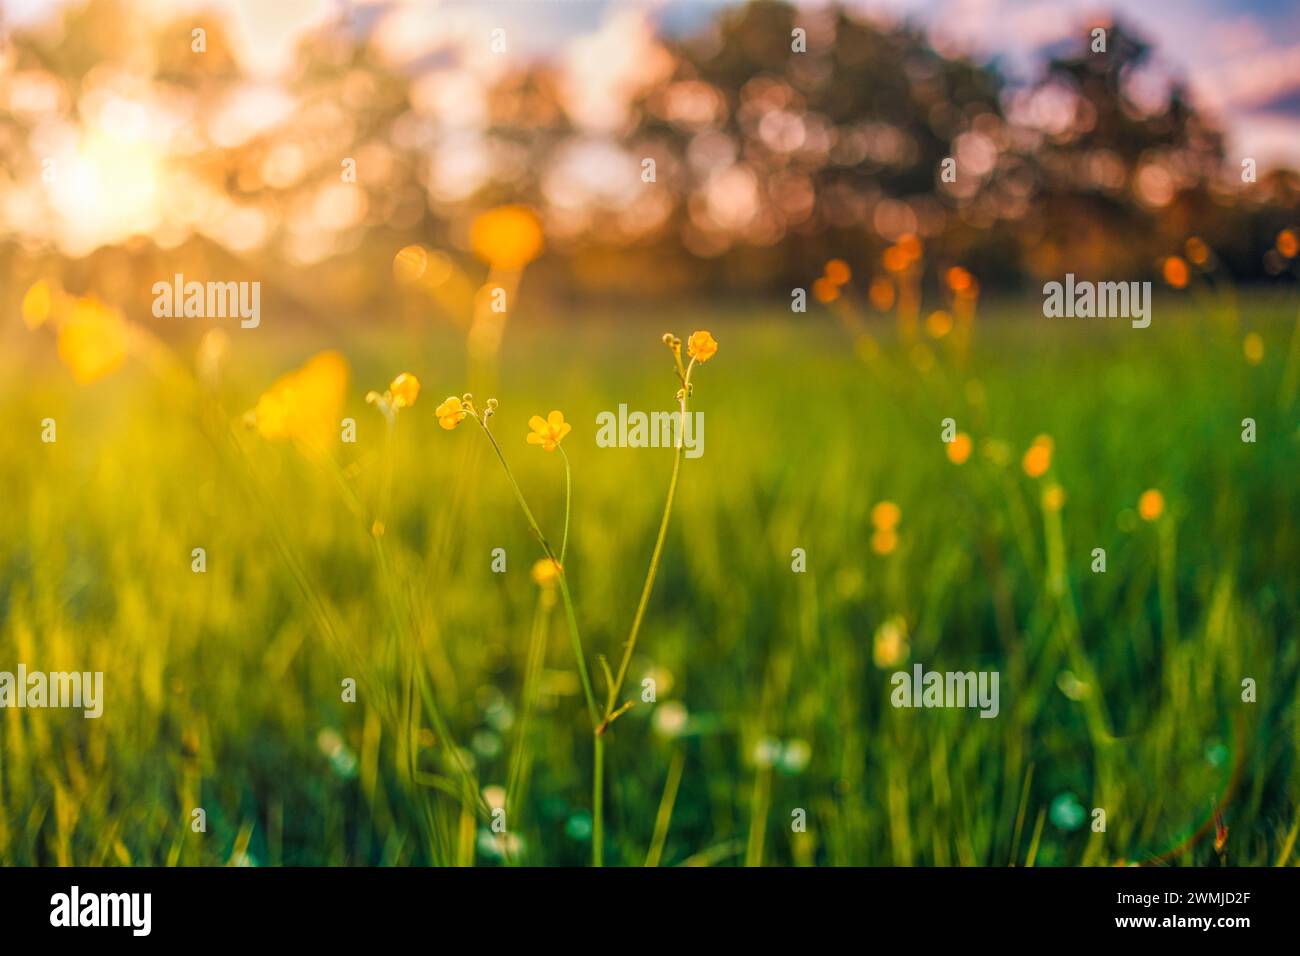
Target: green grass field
[{"x": 1119, "y": 691}]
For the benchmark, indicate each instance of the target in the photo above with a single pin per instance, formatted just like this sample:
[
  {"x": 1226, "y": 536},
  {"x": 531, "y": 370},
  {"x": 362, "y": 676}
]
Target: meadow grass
[{"x": 1119, "y": 691}]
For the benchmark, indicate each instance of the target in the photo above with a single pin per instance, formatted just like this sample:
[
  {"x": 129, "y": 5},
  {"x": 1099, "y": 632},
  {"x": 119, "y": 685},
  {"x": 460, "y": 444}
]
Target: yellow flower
[
  {"x": 959, "y": 448},
  {"x": 890, "y": 647},
  {"x": 895, "y": 259},
  {"x": 304, "y": 405},
  {"x": 885, "y": 516},
  {"x": 546, "y": 572},
  {"x": 1053, "y": 497},
  {"x": 959, "y": 280},
  {"x": 1253, "y": 346},
  {"x": 507, "y": 237},
  {"x": 405, "y": 389},
  {"x": 825, "y": 290},
  {"x": 837, "y": 271},
  {"x": 548, "y": 431},
  {"x": 1197, "y": 250},
  {"x": 1288, "y": 243},
  {"x": 1151, "y": 505},
  {"x": 1175, "y": 272},
  {"x": 451, "y": 412},
  {"x": 92, "y": 341},
  {"x": 701, "y": 346},
  {"x": 884, "y": 540},
  {"x": 37, "y": 304},
  {"x": 881, "y": 294},
  {"x": 1039, "y": 457},
  {"x": 938, "y": 324}
]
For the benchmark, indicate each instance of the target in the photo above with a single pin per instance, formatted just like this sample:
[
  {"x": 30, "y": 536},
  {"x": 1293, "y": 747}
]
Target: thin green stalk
[
  {"x": 598, "y": 804},
  {"x": 630, "y": 646},
  {"x": 564, "y": 585},
  {"x": 597, "y": 797},
  {"x": 568, "y": 501},
  {"x": 517, "y": 781},
  {"x": 665, "y": 814}
]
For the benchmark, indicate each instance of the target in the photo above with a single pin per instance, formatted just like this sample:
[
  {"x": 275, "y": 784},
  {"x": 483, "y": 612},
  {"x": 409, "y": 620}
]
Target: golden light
[{"x": 507, "y": 237}]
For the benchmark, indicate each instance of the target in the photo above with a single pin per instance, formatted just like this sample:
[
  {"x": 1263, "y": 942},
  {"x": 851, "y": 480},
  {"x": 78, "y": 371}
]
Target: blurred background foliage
[{"x": 767, "y": 162}]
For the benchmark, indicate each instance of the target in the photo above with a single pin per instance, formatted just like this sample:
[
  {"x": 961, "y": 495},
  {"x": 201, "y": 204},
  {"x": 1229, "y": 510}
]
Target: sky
[{"x": 1240, "y": 58}]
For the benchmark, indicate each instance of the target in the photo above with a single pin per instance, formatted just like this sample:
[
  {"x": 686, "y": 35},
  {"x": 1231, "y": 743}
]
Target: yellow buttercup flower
[
  {"x": 881, "y": 293},
  {"x": 38, "y": 303},
  {"x": 548, "y": 431},
  {"x": 938, "y": 324},
  {"x": 1053, "y": 498},
  {"x": 959, "y": 448},
  {"x": 1039, "y": 457},
  {"x": 890, "y": 646},
  {"x": 824, "y": 290},
  {"x": 92, "y": 340},
  {"x": 838, "y": 272},
  {"x": 405, "y": 389},
  {"x": 451, "y": 412},
  {"x": 1151, "y": 505},
  {"x": 701, "y": 346},
  {"x": 304, "y": 405},
  {"x": 1288, "y": 243},
  {"x": 1175, "y": 272},
  {"x": 959, "y": 280},
  {"x": 1253, "y": 346},
  {"x": 546, "y": 572},
  {"x": 884, "y": 541},
  {"x": 885, "y": 516}
]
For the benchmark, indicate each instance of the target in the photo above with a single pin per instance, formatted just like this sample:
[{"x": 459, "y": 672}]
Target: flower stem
[
  {"x": 564, "y": 583},
  {"x": 568, "y": 500},
  {"x": 655, "y": 557},
  {"x": 598, "y": 804}
]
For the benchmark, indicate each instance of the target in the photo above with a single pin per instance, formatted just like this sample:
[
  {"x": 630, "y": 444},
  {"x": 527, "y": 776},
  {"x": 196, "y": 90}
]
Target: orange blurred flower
[
  {"x": 938, "y": 324},
  {"x": 1151, "y": 505},
  {"x": 959, "y": 448},
  {"x": 1287, "y": 243},
  {"x": 92, "y": 340},
  {"x": 507, "y": 237},
  {"x": 910, "y": 247},
  {"x": 895, "y": 259},
  {"x": 959, "y": 280},
  {"x": 885, "y": 516},
  {"x": 1039, "y": 456},
  {"x": 1175, "y": 272},
  {"x": 824, "y": 290},
  {"x": 837, "y": 270},
  {"x": 1197, "y": 250},
  {"x": 881, "y": 294}
]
